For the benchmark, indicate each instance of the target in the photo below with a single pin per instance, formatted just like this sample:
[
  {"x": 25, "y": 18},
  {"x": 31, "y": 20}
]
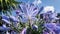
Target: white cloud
[
  {"x": 37, "y": 2},
  {"x": 49, "y": 8}
]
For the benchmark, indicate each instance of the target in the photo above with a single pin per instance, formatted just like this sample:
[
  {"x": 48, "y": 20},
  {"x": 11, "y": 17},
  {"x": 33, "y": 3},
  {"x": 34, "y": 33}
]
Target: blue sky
[{"x": 55, "y": 3}]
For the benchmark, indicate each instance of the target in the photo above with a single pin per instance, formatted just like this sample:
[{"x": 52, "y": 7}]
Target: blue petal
[
  {"x": 57, "y": 28},
  {"x": 14, "y": 32},
  {"x": 14, "y": 19},
  {"x": 5, "y": 17},
  {"x": 23, "y": 31},
  {"x": 6, "y": 21},
  {"x": 35, "y": 12},
  {"x": 4, "y": 29},
  {"x": 50, "y": 26},
  {"x": 23, "y": 8},
  {"x": 41, "y": 9}
]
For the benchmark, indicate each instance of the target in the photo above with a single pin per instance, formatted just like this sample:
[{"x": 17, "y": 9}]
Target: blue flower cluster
[{"x": 28, "y": 17}]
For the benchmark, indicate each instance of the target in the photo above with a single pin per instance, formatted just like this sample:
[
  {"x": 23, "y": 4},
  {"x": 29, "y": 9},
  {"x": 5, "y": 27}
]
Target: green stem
[{"x": 30, "y": 26}]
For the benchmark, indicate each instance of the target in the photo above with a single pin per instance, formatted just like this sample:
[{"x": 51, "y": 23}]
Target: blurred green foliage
[{"x": 7, "y": 5}]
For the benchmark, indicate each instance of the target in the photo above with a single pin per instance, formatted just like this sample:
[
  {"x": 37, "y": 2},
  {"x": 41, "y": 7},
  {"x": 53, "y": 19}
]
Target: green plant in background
[{"x": 7, "y": 5}]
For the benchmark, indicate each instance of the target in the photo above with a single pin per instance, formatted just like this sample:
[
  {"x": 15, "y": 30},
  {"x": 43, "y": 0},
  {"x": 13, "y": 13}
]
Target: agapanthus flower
[
  {"x": 45, "y": 33},
  {"x": 13, "y": 32},
  {"x": 23, "y": 31},
  {"x": 35, "y": 27},
  {"x": 49, "y": 14},
  {"x": 29, "y": 11},
  {"x": 13, "y": 19},
  {"x": 17, "y": 12},
  {"x": 4, "y": 28},
  {"x": 4, "y": 25},
  {"x": 7, "y": 32},
  {"x": 49, "y": 10},
  {"x": 5, "y": 19},
  {"x": 57, "y": 29},
  {"x": 50, "y": 26}
]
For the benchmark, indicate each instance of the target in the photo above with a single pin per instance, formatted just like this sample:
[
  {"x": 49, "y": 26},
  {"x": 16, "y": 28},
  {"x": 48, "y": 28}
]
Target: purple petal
[
  {"x": 50, "y": 26},
  {"x": 35, "y": 12},
  {"x": 6, "y": 21},
  {"x": 45, "y": 33},
  {"x": 5, "y": 17},
  {"x": 14, "y": 19},
  {"x": 23, "y": 8},
  {"x": 41, "y": 9},
  {"x": 4, "y": 28},
  {"x": 23, "y": 31}
]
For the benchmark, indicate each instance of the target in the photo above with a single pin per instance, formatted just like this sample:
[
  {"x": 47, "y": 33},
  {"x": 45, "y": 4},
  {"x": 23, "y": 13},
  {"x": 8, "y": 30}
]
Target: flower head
[
  {"x": 29, "y": 11},
  {"x": 50, "y": 26},
  {"x": 49, "y": 14}
]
